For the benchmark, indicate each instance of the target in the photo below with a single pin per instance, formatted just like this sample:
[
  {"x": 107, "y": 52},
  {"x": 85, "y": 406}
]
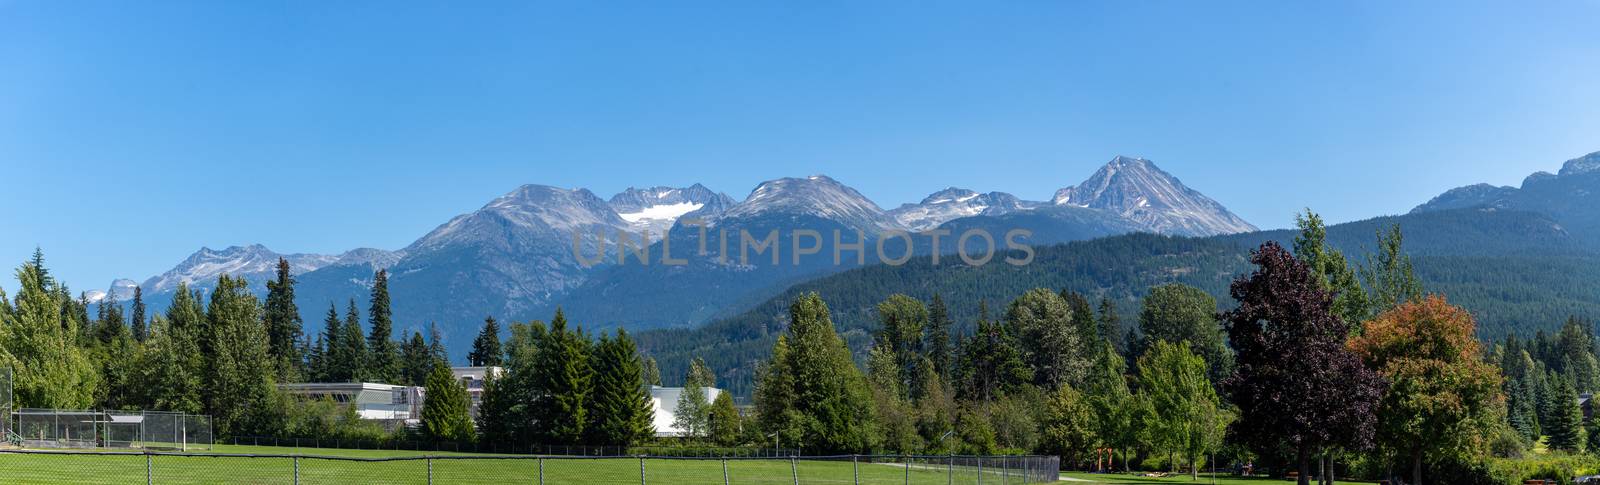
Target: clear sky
[{"x": 133, "y": 133}]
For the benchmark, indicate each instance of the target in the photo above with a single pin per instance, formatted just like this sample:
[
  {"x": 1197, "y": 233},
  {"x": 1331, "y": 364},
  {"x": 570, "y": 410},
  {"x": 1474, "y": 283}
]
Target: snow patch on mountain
[
  {"x": 656, "y": 209},
  {"x": 204, "y": 266},
  {"x": 955, "y": 203}
]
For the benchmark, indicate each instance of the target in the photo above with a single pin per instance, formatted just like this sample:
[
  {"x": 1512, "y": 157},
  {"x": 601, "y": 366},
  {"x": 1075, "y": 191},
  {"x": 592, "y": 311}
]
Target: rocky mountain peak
[
  {"x": 816, "y": 196},
  {"x": 1140, "y": 191}
]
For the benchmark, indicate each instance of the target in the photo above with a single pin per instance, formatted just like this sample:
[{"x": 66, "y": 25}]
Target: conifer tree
[
  {"x": 49, "y": 370},
  {"x": 1388, "y": 273},
  {"x": 284, "y": 327},
  {"x": 619, "y": 408},
  {"x": 1088, "y": 329},
  {"x": 828, "y": 406},
  {"x": 939, "y": 346},
  {"x": 561, "y": 384},
  {"x": 1111, "y": 325},
  {"x": 723, "y": 425},
  {"x": 651, "y": 372},
  {"x": 991, "y": 363},
  {"x": 1331, "y": 269},
  {"x": 1050, "y": 343},
  {"x": 239, "y": 389},
  {"x": 444, "y": 412},
  {"x": 901, "y": 335},
  {"x": 140, "y": 329},
  {"x": 188, "y": 314},
  {"x": 436, "y": 344},
  {"x": 168, "y": 374},
  {"x": 383, "y": 357},
  {"x": 1565, "y": 427},
  {"x": 486, "y": 348},
  {"x": 111, "y": 325},
  {"x": 693, "y": 409},
  {"x": 416, "y": 361},
  {"x": 352, "y": 365}
]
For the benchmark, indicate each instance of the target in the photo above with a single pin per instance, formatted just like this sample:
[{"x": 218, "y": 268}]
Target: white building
[
  {"x": 472, "y": 378},
  {"x": 664, "y": 405},
  {"x": 371, "y": 400}
]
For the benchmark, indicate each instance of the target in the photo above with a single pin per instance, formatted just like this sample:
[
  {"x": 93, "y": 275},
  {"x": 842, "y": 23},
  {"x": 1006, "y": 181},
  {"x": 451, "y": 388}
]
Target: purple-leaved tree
[{"x": 1297, "y": 385}]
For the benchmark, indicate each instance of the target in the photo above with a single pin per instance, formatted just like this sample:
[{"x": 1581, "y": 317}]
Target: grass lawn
[
  {"x": 1128, "y": 479},
  {"x": 450, "y": 468}
]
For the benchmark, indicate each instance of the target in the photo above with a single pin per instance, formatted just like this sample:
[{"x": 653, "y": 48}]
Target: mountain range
[{"x": 514, "y": 257}]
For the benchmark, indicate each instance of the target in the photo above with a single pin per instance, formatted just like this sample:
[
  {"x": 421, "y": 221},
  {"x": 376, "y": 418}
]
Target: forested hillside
[{"x": 1516, "y": 271}]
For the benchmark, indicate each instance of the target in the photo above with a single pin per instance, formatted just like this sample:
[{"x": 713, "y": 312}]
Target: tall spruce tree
[
  {"x": 444, "y": 413},
  {"x": 619, "y": 408},
  {"x": 651, "y": 371},
  {"x": 140, "y": 325},
  {"x": 486, "y": 348},
  {"x": 352, "y": 366},
  {"x": 940, "y": 348},
  {"x": 416, "y": 361},
  {"x": 383, "y": 356},
  {"x": 1111, "y": 325},
  {"x": 561, "y": 384},
  {"x": 1388, "y": 273},
  {"x": 284, "y": 327},
  {"x": 239, "y": 394},
  {"x": 1331, "y": 269},
  {"x": 811, "y": 391},
  {"x": 1565, "y": 427},
  {"x": 112, "y": 325}
]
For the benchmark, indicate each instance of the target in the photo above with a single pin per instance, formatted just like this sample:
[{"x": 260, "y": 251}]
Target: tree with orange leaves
[{"x": 1442, "y": 399}]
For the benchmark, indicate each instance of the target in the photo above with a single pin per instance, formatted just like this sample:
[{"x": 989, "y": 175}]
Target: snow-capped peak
[
  {"x": 954, "y": 203},
  {"x": 816, "y": 196},
  {"x": 255, "y": 260},
  {"x": 656, "y": 208},
  {"x": 1138, "y": 190}
]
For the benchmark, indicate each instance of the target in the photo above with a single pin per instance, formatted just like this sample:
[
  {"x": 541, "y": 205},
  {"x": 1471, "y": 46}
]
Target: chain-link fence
[
  {"x": 49, "y": 467},
  {"x": 510, "y": 449},
  {"x": 63, "y": 428}
]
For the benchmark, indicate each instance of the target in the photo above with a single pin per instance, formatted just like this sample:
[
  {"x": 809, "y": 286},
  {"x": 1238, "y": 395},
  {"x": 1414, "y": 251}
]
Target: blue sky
[{"x": 132, "y": 133}]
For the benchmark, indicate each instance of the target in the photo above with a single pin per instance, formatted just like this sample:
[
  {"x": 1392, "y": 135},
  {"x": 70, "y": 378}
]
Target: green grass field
[
  {"x": 451, "y": 468},
  {"x": 1127, "y": 479}
]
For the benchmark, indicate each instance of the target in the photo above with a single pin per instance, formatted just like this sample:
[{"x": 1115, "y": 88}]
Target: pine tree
[
  {"x": 49, "y": 370},
  {"x": 140, "y": 330},
  {"x": 651, "y": 371},
  {"x": 939, "y": 346},
  {"x": 444, "y": 412},
  {"x": 239, "y": 389},
  {"x": 1565, "y": 428},
  {"x": 693, "y": 409},
  {"x": 111, "y": 325},
  {"x": 486, "y": 348},
  {"x": 1177, "y": 313},
  {"x": 561, "y": 384},
  {"x": 1331, "y": 269},
  {"x": 619, "y": 407},
  {"x": 436, "y": 344},
  {"x": 167, "y": 373},
  {"x": 991, "y": 363},
  {"x": 723, "y": 425},
  {"x": 1388, "y": 273},
  {"x": 416, "y": 361},
  {"x": 828, "y": 405},
  {"x": 352, "y": 365},
  {"x": 1111, "y": 325},
  {"x": 284, "y": 327},
  {"x": 1088, "y": 329},
  {"x": 383, "y": 357}
]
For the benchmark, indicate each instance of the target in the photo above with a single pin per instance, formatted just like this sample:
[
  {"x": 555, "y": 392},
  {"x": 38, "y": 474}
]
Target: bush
[{"x": 1502, "y": 471}]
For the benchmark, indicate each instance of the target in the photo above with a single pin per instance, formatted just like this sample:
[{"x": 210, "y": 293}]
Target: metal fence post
[
  {"x": 541, "y": 470},
  {"x": 794, "y": 468},
  {"x": 950, "y": 470},
  {"x": 725, "y": 471},
  {"x": 149, "y": 469},
  {"x": 1005, "y": 470},
  {"x": 855, "y": 468},
  {"x": 641, "y": 470},
  {"x": 907, "y": 459},
  {"x": 297, "y": 470},
  {"x": 430, "y": 470},
  {"x": 980, "y": 469}
]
